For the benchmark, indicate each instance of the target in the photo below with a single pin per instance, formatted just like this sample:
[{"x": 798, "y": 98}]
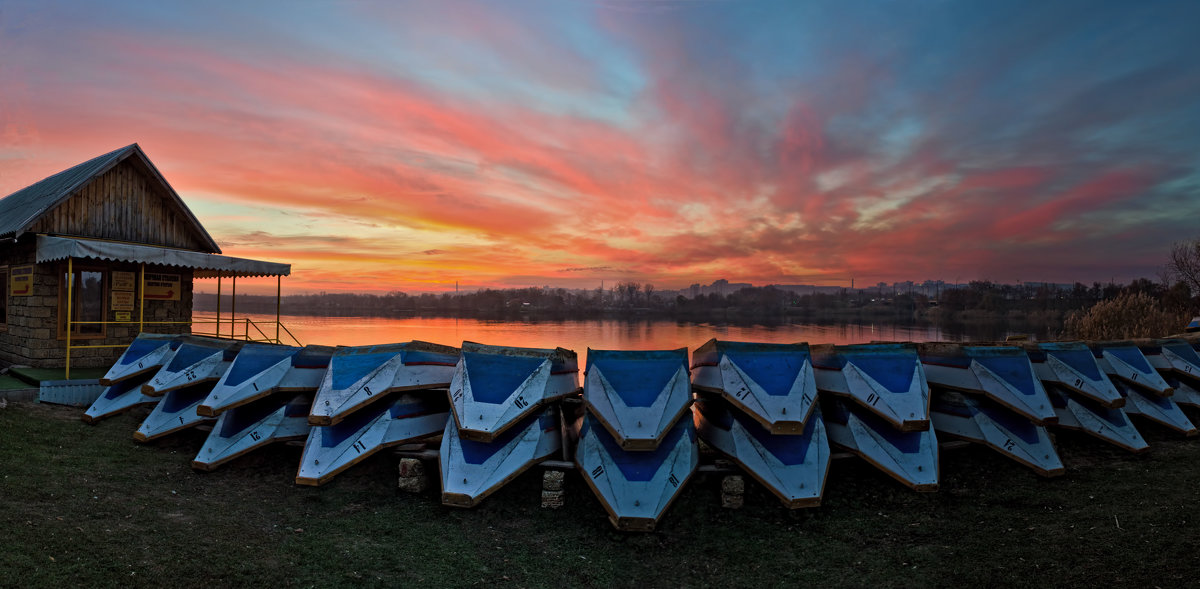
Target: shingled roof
[{"x": 23, "y": 208}]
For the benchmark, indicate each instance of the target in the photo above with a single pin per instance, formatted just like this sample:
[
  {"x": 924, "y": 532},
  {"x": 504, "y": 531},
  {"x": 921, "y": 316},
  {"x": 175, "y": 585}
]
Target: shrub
[{"x": 1129, "y": 315}]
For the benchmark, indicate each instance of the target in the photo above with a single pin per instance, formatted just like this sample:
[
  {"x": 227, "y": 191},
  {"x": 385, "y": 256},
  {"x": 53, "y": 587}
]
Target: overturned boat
[
  {"x": 1009, "y": 433},
  {"x": 332, "y": 449},
  {"x": 635, "y": 487},
  {"x": 1073, "y": 366},
  {"x": 1076, "y": 412},
  {"x": 176, "y": 411},
  {"x": 197, "y": 360},
  {"x": 792, "y": 466},
  {"x": 260, "y": 370},
  {"x": 1124, "y": 361},
  {"x": 637, "y": 395},
  {"x": 910, "y": 457},
  {"x": 495, "y": 387},
  {"x": 360, "y": 375},
  {"x": 471, "y": 470},
  {"x": 147, "y": 353},
  {"x": 1172, "y": 356},
  {"x": 118, "y": 398},
  {"x": 1161, "y": 410},
  {"x": 254, "y": 425},
  {"x": 886, "y": 379},
  {"x": 1003, "y": 374},
  {"x": 1186, "y": 392},
  {"x": 773, "y": 383}
]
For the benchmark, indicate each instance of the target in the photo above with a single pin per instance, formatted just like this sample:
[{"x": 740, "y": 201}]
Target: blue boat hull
[
  {"x": 885, "y": 379},
  {"x": 638, "y": 396},
  {"x": 1004, "y": 431},
  {"x": 143, "y": 357},
  {"x": 772, "y": 383},
  {"x": 471, "y": 470},
  {"x": 495, "y": 387},
  {"x": 198, "y": 360},
  {"x": 1003, "y": 374},
  {"x": 118, "y": 398},
  {"x": 175, "y": 412},
  {"x": 635, "y": 487},
  {"x": 261, "y": 370},
  {"x": 792, "y": 466},
  {"x": 251, "y": 426},
  {"x": 908, "y": 457},
  {"x": 1077, "y": 412},
  {"x": 361, "y": 375},
  {"x": 331, "y": 449}
]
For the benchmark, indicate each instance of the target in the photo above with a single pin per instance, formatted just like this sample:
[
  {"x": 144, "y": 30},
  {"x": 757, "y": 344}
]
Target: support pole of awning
[
  {"x": 70, "y": 303},
  {"x": 218, "y": 330},
  {"x": 278, "y": 291},
  {"x": 233, "y": 307},
  {"x": 141, "y": 298}
]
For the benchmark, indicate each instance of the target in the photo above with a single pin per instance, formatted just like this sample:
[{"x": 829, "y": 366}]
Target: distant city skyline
[{"x": 380, "y": 146}]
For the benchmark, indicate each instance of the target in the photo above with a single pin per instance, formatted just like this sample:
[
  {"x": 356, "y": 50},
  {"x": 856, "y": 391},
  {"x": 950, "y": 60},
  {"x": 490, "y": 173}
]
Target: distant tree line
[{"x": 976, "y": 301}]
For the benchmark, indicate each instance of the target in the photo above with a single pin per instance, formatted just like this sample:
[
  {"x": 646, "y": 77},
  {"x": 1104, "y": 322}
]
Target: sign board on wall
[
  {"x": 121, "y": 300},
  {"x": 20, "y": 281},
  {"x": 123, "y": 315},
  {"x": 123, "y": 281},
  {"x": 162, "y": 287}
]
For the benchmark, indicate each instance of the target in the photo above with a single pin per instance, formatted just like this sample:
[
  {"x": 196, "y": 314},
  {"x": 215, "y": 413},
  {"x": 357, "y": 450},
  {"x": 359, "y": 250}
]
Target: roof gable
[{"x": 22, "y": 210}]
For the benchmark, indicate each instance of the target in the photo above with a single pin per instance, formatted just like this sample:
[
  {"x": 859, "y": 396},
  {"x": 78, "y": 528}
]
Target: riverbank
[{"x": 85, "y": 505}]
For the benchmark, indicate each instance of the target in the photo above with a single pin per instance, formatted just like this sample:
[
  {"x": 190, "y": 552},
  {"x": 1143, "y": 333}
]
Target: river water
[{"x": 600, "y": 334}]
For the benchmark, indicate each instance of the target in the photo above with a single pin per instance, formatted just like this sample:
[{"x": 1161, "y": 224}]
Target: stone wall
[{"x": 32, "y": 336}]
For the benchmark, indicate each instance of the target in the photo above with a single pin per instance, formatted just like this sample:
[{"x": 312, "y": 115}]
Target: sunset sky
[{"x": 382, "y": 146}]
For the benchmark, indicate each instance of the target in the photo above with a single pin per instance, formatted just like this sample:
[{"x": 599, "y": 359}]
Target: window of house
[
  {"x": 89, "y": 294},
  {"x": 3, "y": 298}
]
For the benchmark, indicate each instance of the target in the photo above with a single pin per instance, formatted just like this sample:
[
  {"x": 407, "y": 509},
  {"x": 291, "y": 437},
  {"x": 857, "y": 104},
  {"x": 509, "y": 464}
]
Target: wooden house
[{"x": 96, "y": 253}]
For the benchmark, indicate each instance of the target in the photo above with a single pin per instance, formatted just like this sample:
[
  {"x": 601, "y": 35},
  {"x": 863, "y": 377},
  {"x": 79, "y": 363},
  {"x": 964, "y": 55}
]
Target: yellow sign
[
  {"x": 121, "y": 300},
  {"x": 123, "y": 281},
  {"x": 162, "y": 287},
  {"x": 123, "y": 316},
  {"x": 20, "y": 281}
]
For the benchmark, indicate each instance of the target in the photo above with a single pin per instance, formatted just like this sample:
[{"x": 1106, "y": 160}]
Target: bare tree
[{"x": 1184, "y": 264}]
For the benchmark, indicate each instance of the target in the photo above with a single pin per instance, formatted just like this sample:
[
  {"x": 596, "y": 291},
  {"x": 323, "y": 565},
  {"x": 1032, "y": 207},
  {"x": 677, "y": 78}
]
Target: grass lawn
[{"x": 85, "y": 505}]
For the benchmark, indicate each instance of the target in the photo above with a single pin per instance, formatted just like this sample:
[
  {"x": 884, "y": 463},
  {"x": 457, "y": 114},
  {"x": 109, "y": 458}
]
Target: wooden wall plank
[{"x": 124, "y": 204}]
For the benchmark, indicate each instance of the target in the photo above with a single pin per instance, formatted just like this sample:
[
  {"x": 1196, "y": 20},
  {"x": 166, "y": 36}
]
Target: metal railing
[{"x": 246, "y": 322}]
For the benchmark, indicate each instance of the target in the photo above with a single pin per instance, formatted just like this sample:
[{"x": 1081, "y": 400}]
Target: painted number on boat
[
  {"x": 190, "y": 375},
  {"x": 596, "y": 472},
  {"x": 1009, "y": 444},
  {"x": 742, "y": 392},
  {"x": 1078, "y": 382},
  {"x": 872, "y": 399},
  {"x": 457, "y": 395},
  {"x": 673, "y": 480},
  {"x": 521, "y": 403},
  {"x": 367, "y": 390},
  {"x": 255, "y": 436},
  {"x": 1187, "y": 368},
  {"x": 360, "y": 446},
  {"x": 255, "y": 385}
]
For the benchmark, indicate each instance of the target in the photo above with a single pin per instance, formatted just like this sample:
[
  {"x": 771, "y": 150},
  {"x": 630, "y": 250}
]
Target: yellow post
[
  {"x": 142, "y": 298},
  {"x": 70, "y": 301},
  {"x": 232, "y": 306},
  {"x": 218, "y": 330},
  {"x": 278, "y": 291}
]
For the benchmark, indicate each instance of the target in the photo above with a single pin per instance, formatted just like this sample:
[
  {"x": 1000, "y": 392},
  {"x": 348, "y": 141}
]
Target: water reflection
[{"x": 643, "y": 334}]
